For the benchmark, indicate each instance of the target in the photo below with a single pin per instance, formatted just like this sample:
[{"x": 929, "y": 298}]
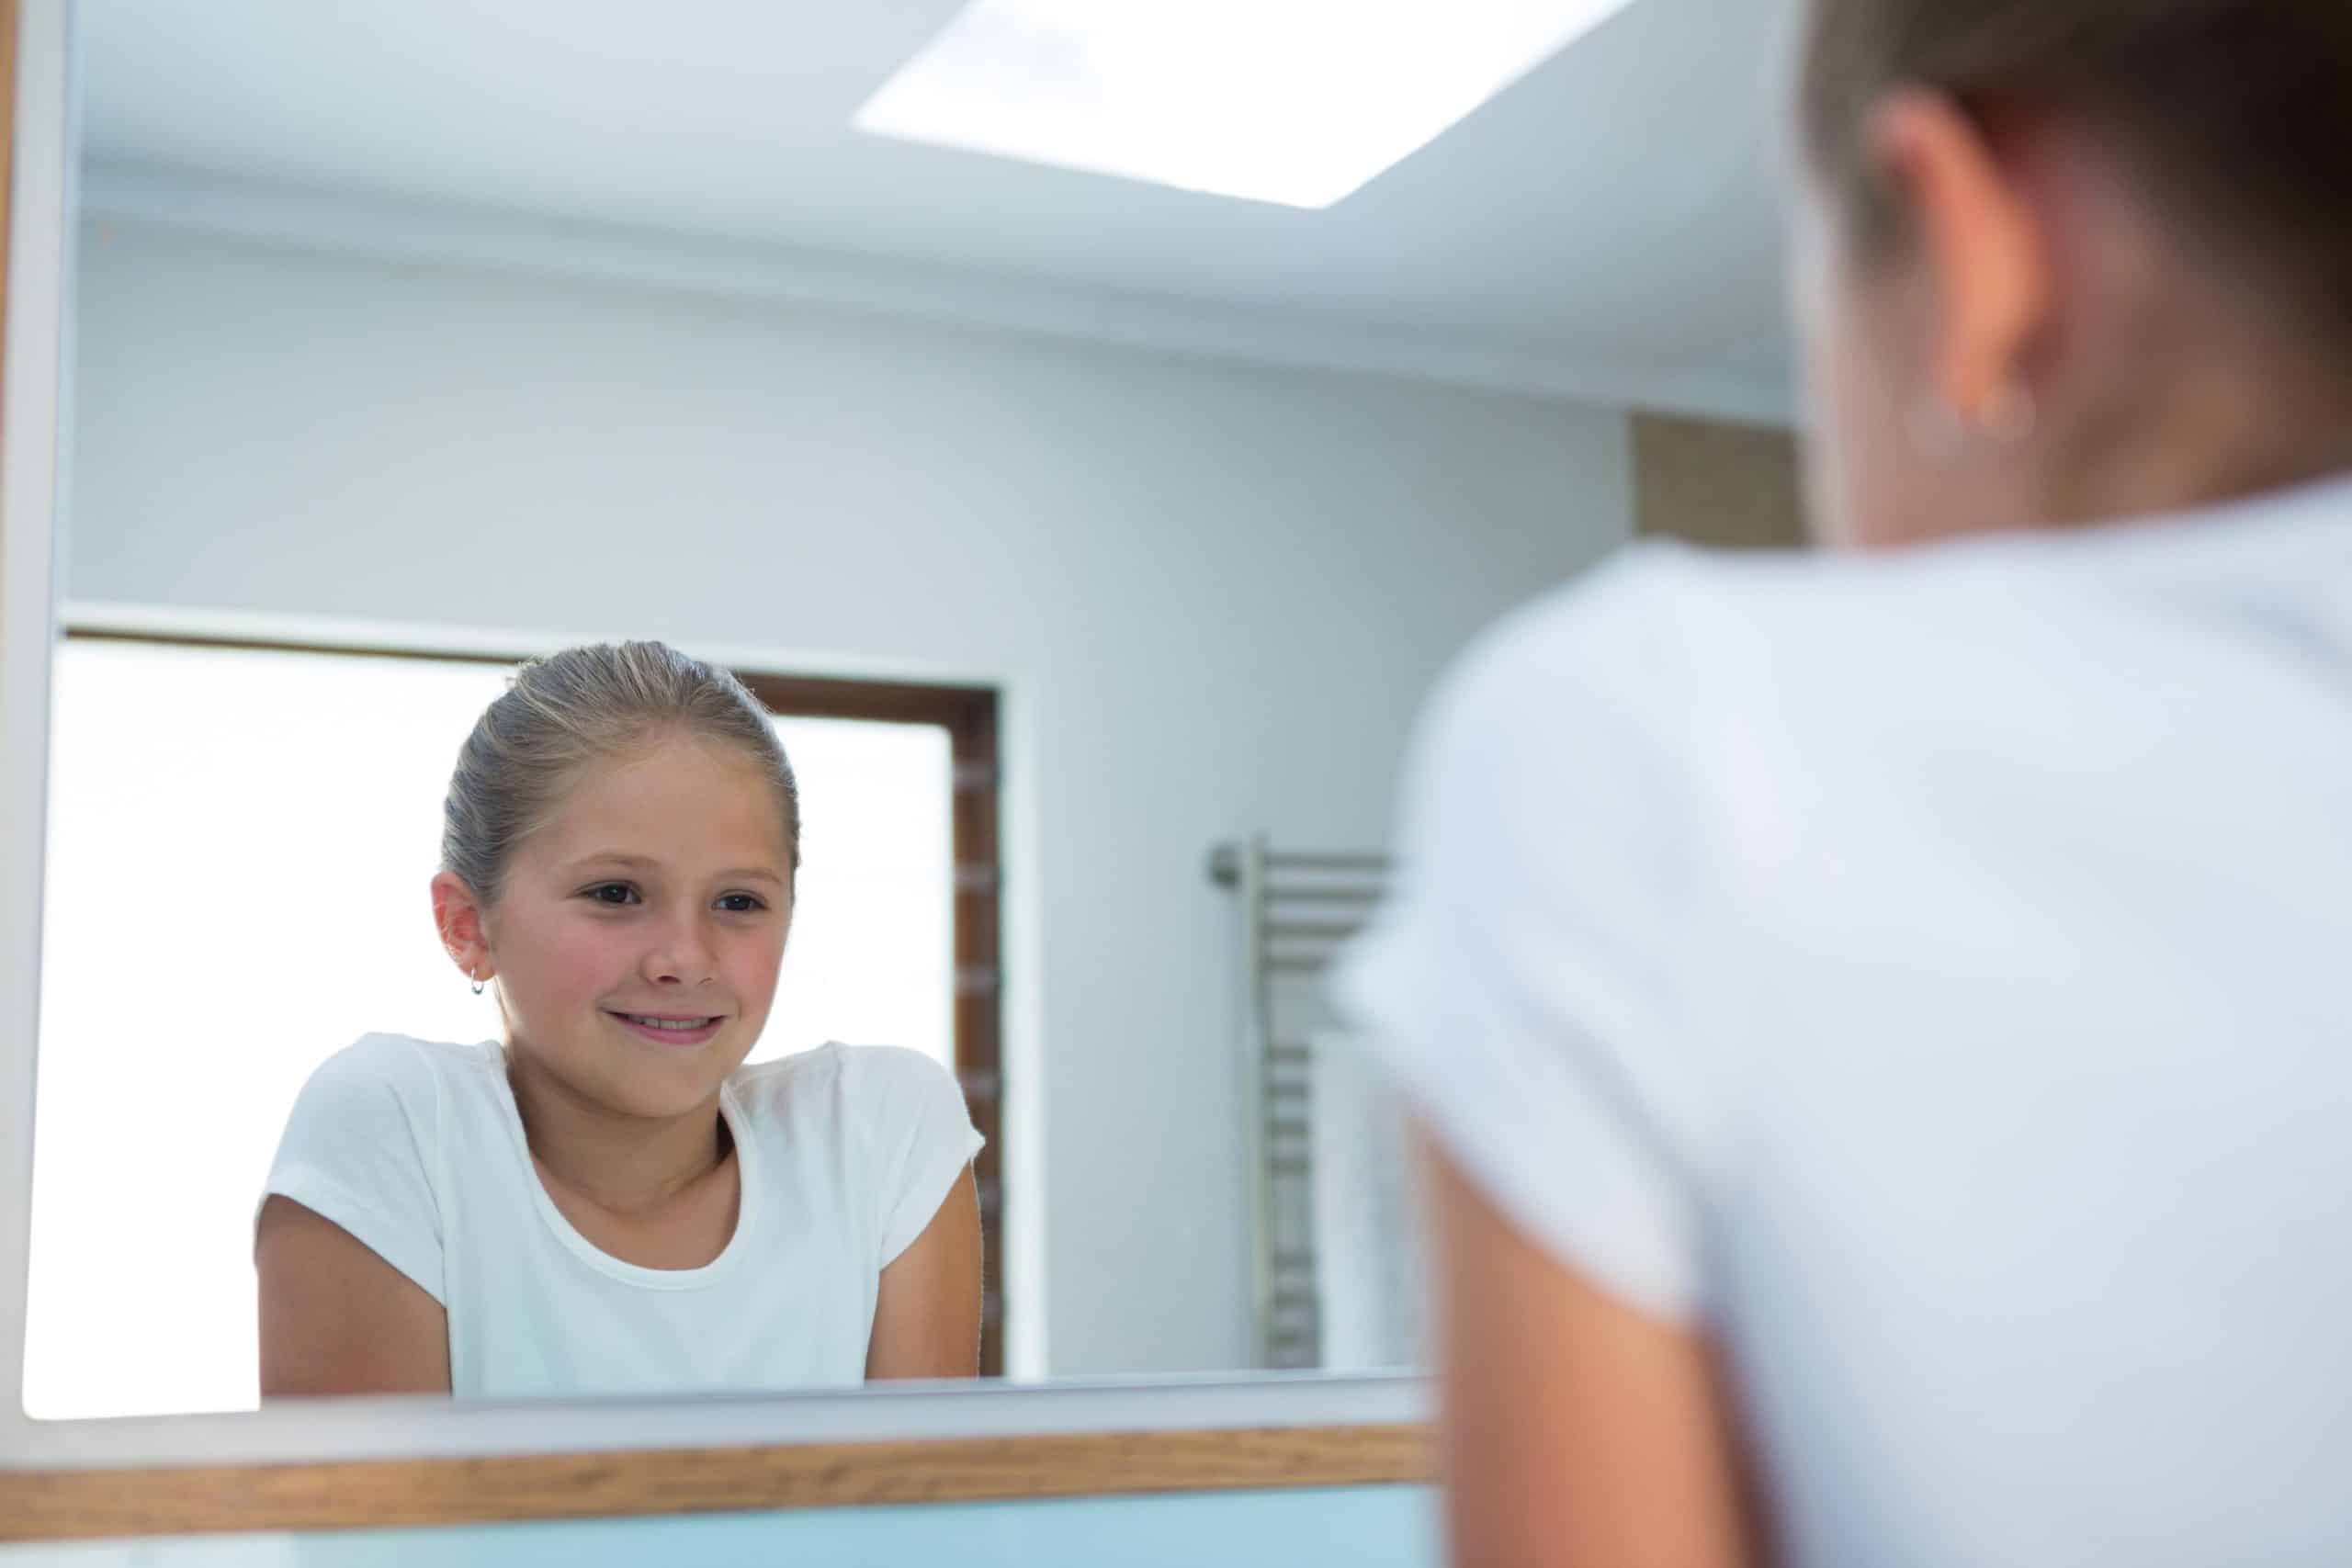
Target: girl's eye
[
  {"x": 741, "y": 903},
  {"x": 616, "y": 893}
]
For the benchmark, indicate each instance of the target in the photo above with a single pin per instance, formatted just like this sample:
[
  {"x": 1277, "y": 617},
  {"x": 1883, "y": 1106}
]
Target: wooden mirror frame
[{"x": 408, "y": 1462}]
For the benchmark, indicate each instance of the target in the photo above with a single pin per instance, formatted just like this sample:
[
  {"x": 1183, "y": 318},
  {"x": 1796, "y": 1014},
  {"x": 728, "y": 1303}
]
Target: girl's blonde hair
[{"x": 582, "y": 705}]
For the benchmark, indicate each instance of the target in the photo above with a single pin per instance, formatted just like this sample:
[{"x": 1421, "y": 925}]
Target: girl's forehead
[{"x": 680, "y": 800}]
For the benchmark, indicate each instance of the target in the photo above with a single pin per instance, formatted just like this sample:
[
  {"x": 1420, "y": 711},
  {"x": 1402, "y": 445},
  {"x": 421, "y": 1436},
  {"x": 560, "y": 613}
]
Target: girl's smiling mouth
[{"x": 671, "y": 1028}]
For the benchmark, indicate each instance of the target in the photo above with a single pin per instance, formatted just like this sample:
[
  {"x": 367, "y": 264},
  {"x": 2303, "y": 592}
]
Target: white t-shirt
[
  {"x": 1927, "y": 973},
  {"x": 846, "y": 1155}
]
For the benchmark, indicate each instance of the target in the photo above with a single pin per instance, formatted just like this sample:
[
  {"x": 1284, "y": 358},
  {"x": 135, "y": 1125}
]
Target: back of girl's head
[
  {"x": 584, "y": 706},
  {"x": 2238, "y": 112}
]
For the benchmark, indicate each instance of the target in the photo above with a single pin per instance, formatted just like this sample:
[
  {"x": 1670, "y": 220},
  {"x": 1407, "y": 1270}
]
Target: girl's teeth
[{"x": 678, "y": 1023}]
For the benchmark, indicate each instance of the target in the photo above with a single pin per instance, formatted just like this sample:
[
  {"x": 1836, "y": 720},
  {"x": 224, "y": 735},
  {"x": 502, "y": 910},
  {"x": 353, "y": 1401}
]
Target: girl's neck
[{"x": 626, "y": 1165}]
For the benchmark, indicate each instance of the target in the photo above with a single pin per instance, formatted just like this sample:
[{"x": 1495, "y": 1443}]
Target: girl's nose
[{"x": 683, "y": 959}]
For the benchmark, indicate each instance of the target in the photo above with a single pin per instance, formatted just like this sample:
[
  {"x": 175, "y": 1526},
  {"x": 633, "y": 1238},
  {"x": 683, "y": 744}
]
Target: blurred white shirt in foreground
[{"x": 1928, "y": 973}]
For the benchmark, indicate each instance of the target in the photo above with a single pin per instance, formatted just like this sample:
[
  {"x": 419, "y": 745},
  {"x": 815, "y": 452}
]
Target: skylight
[{"x": 1298, "y": 102}]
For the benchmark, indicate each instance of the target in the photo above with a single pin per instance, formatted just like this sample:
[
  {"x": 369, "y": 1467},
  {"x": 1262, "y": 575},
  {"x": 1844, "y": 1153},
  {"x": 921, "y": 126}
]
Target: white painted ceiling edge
[{"x": 753, "y": 272}]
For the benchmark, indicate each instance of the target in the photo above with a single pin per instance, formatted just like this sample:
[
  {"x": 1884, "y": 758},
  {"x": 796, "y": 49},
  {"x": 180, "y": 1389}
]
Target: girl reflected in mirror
[{"x": 606, "y": 1200}]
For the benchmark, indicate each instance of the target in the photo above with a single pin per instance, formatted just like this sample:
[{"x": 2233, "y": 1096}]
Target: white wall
[{"x": 1215, "y": 594}]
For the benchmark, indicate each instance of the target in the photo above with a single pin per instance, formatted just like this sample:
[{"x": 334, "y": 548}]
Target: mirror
[{"x": 1088, "y": 476}]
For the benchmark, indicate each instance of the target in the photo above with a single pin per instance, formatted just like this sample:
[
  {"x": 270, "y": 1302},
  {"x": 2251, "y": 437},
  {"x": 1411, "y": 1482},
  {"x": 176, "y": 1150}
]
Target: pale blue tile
[{"x": 1377, "y": 1527}]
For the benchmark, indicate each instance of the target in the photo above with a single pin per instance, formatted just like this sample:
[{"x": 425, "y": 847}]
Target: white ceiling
[{"x": 1609, "y": 225}]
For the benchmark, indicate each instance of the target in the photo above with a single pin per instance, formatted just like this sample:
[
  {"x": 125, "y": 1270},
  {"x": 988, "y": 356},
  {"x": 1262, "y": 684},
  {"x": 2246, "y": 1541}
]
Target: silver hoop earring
[{"x": 478, "y": 986}]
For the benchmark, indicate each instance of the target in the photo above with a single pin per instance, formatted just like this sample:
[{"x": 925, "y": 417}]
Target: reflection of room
[
  {"x": 1214, "y": 592},
  {"x": 1209, "y": 491}
]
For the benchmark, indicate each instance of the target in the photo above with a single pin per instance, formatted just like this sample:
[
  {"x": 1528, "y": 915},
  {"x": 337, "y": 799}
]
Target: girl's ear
[
  {"x": 1982, "y": 245},
  {"x": 458, "y": 915}
]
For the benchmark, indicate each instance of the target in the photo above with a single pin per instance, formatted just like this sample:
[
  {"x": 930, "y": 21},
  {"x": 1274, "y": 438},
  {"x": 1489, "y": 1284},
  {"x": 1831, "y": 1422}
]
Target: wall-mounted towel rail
[{"x": 1298, "y": 909}]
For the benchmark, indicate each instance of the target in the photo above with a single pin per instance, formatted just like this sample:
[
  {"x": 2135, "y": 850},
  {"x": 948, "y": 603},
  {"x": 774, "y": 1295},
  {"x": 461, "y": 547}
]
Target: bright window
[{"x": 239, "y": 845}]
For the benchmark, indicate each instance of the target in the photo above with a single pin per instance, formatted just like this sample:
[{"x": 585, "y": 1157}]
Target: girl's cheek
[
  {"x": 754, "y": 972},
  {"x": 587, "y": 956}
]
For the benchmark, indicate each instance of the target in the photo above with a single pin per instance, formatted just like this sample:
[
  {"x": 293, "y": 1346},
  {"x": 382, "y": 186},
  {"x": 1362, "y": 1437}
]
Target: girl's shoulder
[
  {"x": 400, "y": 1062},
  {"x": 870, "y": 1083},
  {"x": 368, "y": 1141},
  {"x": 836, "y": 1068},
  {"x": 380, "y": 1080}
]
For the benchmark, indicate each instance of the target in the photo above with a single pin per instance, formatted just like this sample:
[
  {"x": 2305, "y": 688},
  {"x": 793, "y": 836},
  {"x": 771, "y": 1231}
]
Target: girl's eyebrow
[{"x": 645, "y": 863}]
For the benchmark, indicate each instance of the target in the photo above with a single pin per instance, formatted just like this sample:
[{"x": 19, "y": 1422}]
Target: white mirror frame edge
[
  {"x": 33, "y": 372},
  {"x": 36, "y": 392}
]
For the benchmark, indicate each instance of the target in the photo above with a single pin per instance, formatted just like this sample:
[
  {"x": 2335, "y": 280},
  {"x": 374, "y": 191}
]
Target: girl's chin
[
  {"x": 660, "y": 1096},
  {"x": 624, "y": 1078}
]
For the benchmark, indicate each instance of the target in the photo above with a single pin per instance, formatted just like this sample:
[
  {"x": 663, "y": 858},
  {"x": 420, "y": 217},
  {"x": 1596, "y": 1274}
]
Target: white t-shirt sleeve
[
  {"x": 358, "y": 1149},
  {"x": 919, "y": 1139},
  {"x": 1524, "y": 986}
]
